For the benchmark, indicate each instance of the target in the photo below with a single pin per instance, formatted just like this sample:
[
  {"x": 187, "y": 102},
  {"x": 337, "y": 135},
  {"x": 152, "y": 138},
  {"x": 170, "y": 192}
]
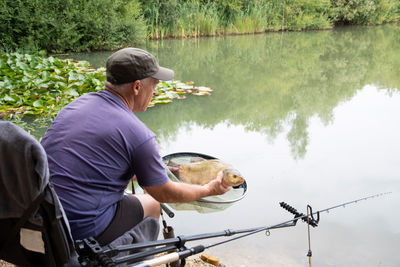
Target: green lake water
[{"x": 307, "y": 118}]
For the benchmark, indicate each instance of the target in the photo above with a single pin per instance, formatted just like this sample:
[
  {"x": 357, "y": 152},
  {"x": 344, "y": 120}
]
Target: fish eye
[{"x": 234, "y": 176}]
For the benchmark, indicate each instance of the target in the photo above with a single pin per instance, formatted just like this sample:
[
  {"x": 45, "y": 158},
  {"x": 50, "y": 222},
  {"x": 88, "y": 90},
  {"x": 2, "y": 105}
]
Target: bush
[
  {"x": 364, "y": 11},
  {"x": 75, "y": 25}
]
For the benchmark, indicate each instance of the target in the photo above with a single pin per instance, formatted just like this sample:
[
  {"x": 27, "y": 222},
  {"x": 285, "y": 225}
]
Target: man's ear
[{"x": 136, "y": 86}]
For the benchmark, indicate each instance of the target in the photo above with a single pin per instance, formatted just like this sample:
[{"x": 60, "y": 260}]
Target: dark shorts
[{"x": 128, "y": 214}]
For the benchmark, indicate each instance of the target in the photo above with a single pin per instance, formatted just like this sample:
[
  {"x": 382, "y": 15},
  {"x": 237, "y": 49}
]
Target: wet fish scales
[{"x": 204, "y": 171}]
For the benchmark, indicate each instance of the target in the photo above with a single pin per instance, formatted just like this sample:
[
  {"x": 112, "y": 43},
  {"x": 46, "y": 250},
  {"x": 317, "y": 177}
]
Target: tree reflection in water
[{"x": 265, "y": 82}]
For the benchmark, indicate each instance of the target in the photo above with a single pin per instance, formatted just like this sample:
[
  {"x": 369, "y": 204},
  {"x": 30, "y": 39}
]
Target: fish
[{"x": 202, "y": 171}]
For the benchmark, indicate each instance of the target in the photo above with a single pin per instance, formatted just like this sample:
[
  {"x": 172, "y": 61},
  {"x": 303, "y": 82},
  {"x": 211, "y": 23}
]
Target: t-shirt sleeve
[{"x": 148, "y": 165}]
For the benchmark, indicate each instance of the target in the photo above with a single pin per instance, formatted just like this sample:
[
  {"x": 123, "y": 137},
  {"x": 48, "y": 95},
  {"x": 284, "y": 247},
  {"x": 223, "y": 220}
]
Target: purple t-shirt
[{"x": 94, "y": 146}]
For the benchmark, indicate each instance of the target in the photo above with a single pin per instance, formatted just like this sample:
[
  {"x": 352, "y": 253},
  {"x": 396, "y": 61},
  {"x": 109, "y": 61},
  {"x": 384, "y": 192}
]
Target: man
[{"x": 96, "y": 144}]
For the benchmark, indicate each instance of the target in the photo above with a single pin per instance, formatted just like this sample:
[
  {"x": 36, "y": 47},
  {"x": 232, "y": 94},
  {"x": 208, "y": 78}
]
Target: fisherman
[{"x": 96, "y": 145}]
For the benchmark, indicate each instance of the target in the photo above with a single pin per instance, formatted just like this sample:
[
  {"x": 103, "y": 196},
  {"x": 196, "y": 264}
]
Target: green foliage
[
  {"x": 299, "y": 15},
  {"x": 179, "y": 18},
  {"x": 197, "y": 20},
  {"x": 75, "y": 25},
  {"x": 160, "y": 15},
  {"x": 252, "y": 18},
  {"x": 229, "y": 10},
  {"x": 79, "y": 25},
  {"x": 364, "y": 11}
]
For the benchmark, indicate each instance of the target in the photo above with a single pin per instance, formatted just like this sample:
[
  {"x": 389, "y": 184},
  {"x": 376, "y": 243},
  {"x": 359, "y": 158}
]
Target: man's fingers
[
  {"x": 223, "y": 188},
  {"x": 220, "y": 175},
  {"x": 173, "y": 169}
]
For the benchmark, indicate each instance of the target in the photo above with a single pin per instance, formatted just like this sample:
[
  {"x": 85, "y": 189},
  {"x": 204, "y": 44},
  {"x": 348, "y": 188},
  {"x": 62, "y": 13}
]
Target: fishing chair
[{"x": 34, "y": 230}]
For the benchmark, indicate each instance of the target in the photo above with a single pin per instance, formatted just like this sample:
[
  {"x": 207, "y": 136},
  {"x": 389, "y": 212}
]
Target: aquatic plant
[{"x": 40, "y": 86}]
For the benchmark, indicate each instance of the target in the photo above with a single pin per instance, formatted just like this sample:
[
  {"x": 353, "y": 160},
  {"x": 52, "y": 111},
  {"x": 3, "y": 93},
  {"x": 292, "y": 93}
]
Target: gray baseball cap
[{"x": 131, "y": 64}]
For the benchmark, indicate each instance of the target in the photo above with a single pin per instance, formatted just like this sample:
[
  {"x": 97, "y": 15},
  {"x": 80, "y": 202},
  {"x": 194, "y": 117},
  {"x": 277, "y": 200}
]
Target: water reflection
[{"x": 264, "y": 82}]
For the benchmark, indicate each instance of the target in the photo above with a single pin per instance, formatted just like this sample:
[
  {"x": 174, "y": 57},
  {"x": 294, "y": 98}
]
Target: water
[{"x": 308, "y": 118}]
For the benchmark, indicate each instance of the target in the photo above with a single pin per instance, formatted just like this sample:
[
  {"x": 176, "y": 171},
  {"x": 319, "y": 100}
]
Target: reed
[{"x": 207, "y": 18}]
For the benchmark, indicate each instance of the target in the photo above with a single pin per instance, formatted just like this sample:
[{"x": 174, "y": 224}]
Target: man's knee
[{"x": 151, "y": 207}]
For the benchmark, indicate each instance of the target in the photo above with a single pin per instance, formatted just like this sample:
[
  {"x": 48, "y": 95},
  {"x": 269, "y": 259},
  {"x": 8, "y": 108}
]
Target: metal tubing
[{"x": 167, "y": 210}]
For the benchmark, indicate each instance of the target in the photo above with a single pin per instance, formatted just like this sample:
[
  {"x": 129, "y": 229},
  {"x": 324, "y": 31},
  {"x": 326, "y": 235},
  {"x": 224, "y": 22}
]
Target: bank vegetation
[{"x": 58, "y": 26}]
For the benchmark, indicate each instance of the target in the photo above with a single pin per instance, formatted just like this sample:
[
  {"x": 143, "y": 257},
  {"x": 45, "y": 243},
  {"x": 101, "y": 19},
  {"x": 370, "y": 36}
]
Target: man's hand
[
  {"x": 177, "y": 192},
  {"x": 216, "y": 186}
]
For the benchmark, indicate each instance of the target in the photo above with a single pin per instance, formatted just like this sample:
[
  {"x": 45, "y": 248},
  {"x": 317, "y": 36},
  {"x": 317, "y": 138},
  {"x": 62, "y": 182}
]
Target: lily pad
[{"x": 40, "y": 87}]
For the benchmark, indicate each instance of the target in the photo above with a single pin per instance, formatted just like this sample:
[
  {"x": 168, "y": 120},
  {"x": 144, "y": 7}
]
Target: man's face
[{"x": 146, "y": 92}]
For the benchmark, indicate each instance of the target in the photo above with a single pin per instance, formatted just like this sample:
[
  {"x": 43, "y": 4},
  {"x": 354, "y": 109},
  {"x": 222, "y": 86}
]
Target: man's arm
[{"x": 174, "y": 192}]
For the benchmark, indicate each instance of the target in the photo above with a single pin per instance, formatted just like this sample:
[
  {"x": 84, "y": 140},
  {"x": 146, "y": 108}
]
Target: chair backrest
[{"x": 34, "y": 230}]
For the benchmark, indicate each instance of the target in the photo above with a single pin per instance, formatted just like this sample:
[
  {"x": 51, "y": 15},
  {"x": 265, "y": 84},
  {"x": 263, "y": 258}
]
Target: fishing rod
[{"x": 91, "y": 254}]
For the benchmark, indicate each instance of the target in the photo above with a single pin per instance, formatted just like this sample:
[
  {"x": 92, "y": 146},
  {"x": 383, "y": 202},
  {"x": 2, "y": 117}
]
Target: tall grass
[
  {"x": 189, "y": 19},
  {"x": 197, "y": 20},
  {"x": 193, "y": 18},
  {"x": 251, "y": 19}
]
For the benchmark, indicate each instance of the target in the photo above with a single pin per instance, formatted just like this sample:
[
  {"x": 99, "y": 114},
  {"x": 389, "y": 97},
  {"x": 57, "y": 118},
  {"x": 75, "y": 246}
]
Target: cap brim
[{"x": 163, "y": 74}]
